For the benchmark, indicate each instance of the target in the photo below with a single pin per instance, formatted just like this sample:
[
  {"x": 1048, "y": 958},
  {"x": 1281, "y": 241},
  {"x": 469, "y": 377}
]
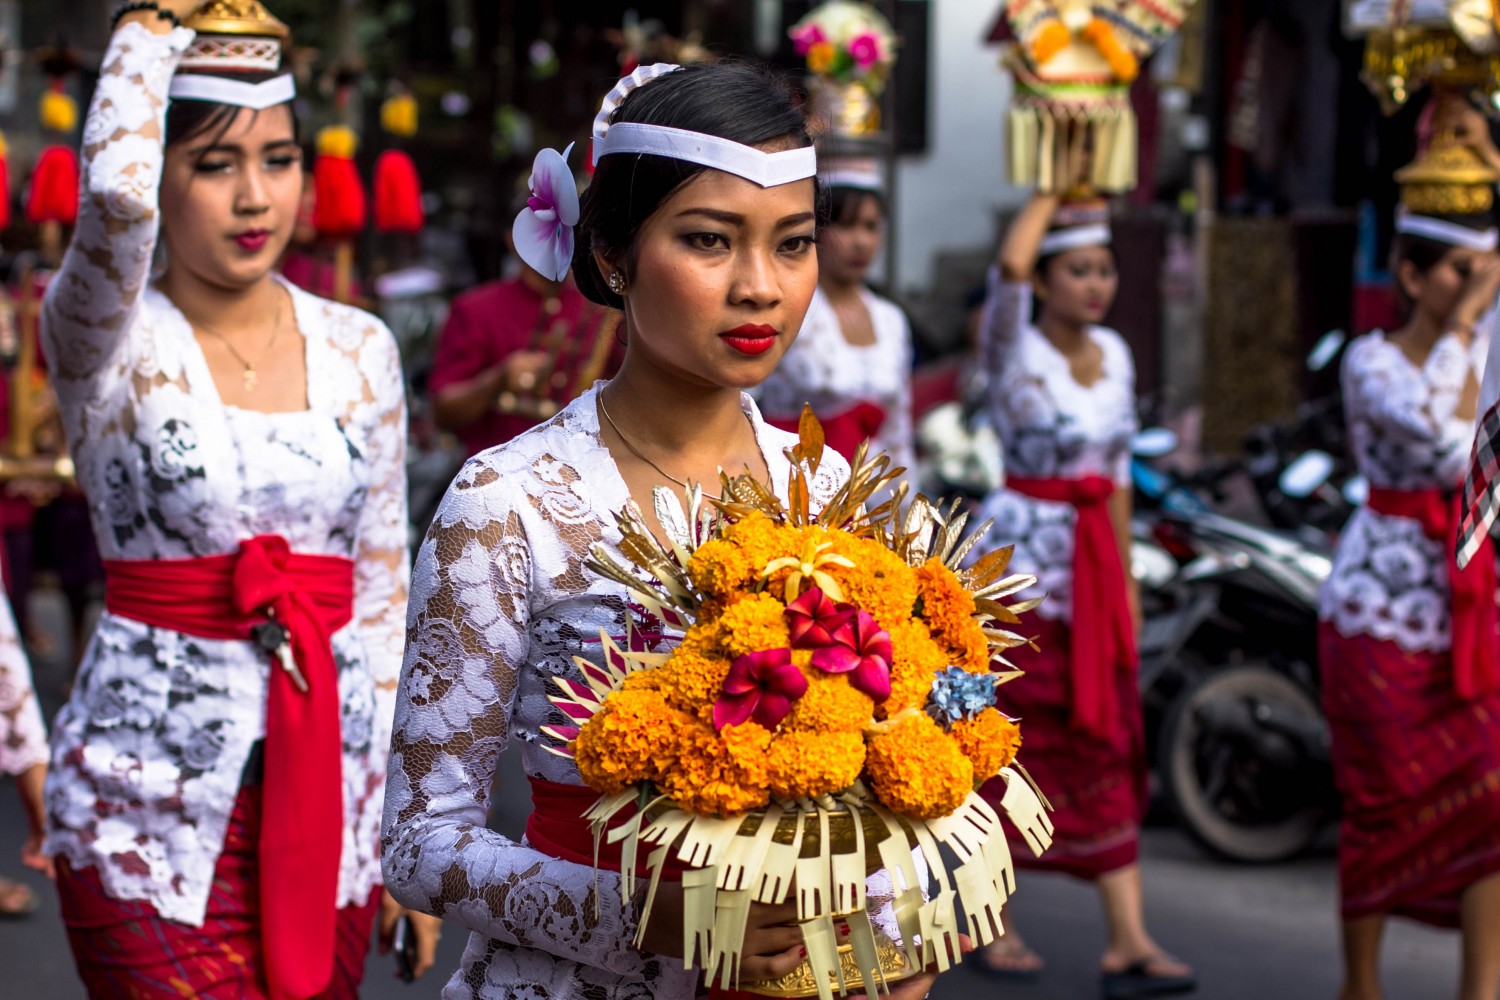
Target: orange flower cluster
[{"x": 658, "y": 726}]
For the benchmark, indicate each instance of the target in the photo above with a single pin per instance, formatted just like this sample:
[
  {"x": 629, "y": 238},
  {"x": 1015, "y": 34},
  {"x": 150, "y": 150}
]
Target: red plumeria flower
[
  {"x": 813, "y": 619},
  {"x": 861, "y": 649},
  {"x": 760, "y": 686}
]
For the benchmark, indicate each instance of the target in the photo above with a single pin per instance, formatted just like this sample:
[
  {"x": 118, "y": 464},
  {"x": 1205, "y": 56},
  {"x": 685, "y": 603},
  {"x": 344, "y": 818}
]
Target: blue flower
[{"x": 957, "y": 694}]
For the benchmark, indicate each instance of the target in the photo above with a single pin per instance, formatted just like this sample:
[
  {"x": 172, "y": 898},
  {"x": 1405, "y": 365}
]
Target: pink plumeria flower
[
  {"x": 806, "y": 36},
  {"x": 543, "y": 230},
  {"x": 864, "y": 49},
  {"x": 760, "y": 687},
  {"x": 861, "y": 649},
  {"x": 813, "y": 618}
]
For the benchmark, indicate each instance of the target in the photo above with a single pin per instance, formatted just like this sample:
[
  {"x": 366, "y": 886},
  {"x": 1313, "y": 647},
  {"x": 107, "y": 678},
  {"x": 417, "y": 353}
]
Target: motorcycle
[{"x": 1228, "y": 673}]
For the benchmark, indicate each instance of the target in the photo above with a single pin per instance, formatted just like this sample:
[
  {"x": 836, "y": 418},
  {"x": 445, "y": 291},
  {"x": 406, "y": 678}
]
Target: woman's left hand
[
  {"x": 918, "y": 986},
  {"x": 427, "y": 929}
]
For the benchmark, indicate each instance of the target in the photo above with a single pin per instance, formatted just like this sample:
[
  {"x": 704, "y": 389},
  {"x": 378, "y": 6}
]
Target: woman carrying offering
[
  {"x": 1062, "y": 397},
  {"x": 852, "y": 360},
  {"x": 218, "y": 773},
  {"x": 700, "y": 225},
  {"x": 1409, "y": 644}
]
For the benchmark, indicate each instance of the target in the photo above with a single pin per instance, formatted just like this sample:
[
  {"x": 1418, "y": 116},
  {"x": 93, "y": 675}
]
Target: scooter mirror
[
  {"x": 1153, "y": 442},
  {"x": 1307, "y": 472},
  {"x": 1357, "y": 491},
  {"x": 1325, "y": 350}
]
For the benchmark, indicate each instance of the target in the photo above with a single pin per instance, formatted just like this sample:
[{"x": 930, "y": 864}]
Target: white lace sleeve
[
  {"x": 1007, "y": 310},
  {"x": 92, "y": 300},
  {"x": 468, "y": 640},
  {"x": 382, "y": 567},
  {"x": 23, "y": 738}
]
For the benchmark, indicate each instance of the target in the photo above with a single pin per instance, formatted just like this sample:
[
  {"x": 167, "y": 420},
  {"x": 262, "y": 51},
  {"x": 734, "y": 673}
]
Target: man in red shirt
[{"x": 514, "y": 352}]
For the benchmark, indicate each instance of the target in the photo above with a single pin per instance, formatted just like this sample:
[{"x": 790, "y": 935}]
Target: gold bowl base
[{"x": 800, "y": 982}]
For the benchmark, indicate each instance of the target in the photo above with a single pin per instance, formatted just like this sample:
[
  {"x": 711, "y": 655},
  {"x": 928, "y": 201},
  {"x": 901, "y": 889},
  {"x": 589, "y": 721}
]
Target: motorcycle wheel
[{"x": 1229, "y": 797}]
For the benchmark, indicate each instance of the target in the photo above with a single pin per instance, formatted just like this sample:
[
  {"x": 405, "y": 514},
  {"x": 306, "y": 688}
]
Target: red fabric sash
[
  {"x": 222, "y": 597},
  {"x": 1103, "y": 633},
  {"x": 1475, "y": 619},
  {"x": 556, "y": 826}
]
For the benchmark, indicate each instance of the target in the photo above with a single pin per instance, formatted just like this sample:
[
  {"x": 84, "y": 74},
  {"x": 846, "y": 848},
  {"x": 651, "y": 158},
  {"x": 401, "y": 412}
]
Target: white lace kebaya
[
  {"x": 1389, "y": 579},
  {"x": 148, "y": 752},
  {"x": 1051, "y": 426}
]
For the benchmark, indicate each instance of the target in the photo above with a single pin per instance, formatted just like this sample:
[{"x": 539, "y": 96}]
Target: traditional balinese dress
[
  {"x": 162, "y": 762},
  {"x": 501, "y": 604},
  {"x": 1415, "y": 754},
  {"x": 857, "y": 391},
  {"x": 23, "y": 738},
  {"x": 1067, "y": 448}
]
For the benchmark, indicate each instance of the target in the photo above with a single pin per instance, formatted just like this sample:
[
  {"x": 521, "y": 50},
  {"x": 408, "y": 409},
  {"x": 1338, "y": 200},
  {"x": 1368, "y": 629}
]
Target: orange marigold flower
[
  {"x": 915, "y": 658},
  {"x": 946, "y": 605},
  {"x": 693, "y": 678},
  {"x": 917, "y": 770},
  {"x": 989, "y": 740},
  {"x": 731, "y": 564},
  {"x": 807, "y": 765},
  {"x": 718, "y": 774},
  {"x": 830, "y": 704},
  {"x": 755, "y": 622},
  {"x": 629, "y": 740},
  {"x": 881, "y": 582},
  {"x": 967, "y": 648}
]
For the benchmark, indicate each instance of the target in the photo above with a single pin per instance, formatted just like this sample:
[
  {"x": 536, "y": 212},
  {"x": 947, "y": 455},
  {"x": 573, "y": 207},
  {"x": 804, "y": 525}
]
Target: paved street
[{"x": 1253, "y": 933}]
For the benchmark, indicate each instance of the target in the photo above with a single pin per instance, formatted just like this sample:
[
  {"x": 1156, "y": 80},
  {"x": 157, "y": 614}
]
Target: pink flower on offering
[
  {"x": 805, "y": 36},
  {"x": 864, "y": 49},
  {"x": 543, "y": 230},
  {"x": 813, "y": 619},
  {"x": 760, "y": 686},
  {"x": 861, "y": 649}
]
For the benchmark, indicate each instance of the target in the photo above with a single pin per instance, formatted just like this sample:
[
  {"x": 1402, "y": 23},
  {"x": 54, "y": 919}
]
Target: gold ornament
[
  {"x": 1448, "y": 179},
  {"x": 237, "y": 17}
]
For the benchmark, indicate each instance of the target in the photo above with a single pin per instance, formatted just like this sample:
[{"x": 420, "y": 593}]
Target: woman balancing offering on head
[
  {"x": 1062, "y": 396},
  {"x": 852, "y": 361},
  {"x": 699, "y": 225},
  {"x": 1409, "y": 645},
  {"x": 217, "y": 777}
]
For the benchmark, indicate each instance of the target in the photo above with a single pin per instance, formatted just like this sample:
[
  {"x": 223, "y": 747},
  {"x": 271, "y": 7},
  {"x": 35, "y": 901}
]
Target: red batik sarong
[
  {"x": 1419, "y": 771},
  {"x": 124, "y": 949},
  {"x": 1096, "y": 783}
]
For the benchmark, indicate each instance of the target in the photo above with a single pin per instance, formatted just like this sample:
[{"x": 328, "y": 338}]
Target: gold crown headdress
[{"x": 234, "y": 36}]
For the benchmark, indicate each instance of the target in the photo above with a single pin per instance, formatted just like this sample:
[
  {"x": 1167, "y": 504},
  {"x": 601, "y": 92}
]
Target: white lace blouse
[
  {"x": 501, "y": 604},
  {"x": 1050, "y": 426},
  {"x": 23, "y": 738},
  {"x": 147, "y": 754},
  {"x": 824, "y": 370},
  {"x": 1389, "y": 579}
]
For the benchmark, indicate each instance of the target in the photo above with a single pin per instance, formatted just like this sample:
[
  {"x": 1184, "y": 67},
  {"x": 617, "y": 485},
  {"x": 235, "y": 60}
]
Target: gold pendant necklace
[
  {"x": 250, "y": 377},
  {"x": 637, "y": 452}
]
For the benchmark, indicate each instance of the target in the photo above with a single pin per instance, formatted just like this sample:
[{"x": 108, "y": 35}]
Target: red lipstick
[
  {"x": 751, "y": 339},
  {"x": 252, "y": 241}
]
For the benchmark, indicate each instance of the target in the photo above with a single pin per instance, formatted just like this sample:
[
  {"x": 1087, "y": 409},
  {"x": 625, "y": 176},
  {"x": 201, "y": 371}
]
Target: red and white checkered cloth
[{"x": 1482, "y": 484}]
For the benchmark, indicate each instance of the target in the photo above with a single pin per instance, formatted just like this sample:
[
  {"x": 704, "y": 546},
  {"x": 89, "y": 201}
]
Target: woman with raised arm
[
  {"x": 700, "y": 225},
  {"x": 1062, "y": 397},
  {"x": 852, "y": 361},
  {"x": 1409, "y": 645},
  {"x": 218, "y": 773}
]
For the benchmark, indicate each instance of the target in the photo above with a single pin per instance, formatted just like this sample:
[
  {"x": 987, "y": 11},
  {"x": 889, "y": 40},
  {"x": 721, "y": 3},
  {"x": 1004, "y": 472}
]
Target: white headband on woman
[
  {"x": 1074, "y": 238},
  {"x": 755, "y": 165},
  {"x": 864, "y": 177},
  {"x": 543, "y": 230},
  {"x": 1451, "y": 233},
  {"x": 239, "y": 93}
]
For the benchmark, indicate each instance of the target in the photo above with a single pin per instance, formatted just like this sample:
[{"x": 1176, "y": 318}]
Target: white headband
[
  {"x": 240, "y": 93},
  {"x": 1074, "y": 238},
  {"x": 1451, "y": 233},
  {"x": 755, "y": 165},
  {"x": 863, "y": 178}
]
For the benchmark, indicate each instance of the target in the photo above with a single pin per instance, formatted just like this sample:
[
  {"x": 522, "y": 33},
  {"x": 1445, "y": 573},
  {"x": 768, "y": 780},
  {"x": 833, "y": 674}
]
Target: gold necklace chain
[
  {"x": 637, "y": 452},
  {"x": 251, "y": 379}
]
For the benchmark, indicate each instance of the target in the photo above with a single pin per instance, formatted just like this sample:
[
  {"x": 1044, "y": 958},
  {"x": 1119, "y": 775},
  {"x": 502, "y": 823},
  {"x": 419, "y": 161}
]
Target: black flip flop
[
  {"x": 981, "y": 965},
  {"x": 1137, "y": 983}
]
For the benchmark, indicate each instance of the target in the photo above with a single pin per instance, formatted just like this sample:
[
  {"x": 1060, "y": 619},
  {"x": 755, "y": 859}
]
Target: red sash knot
[
  {"x": 1475, "y": 619},
  {"x": 290, "y": 605},
  {"x": 1103, "y": 639}
]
